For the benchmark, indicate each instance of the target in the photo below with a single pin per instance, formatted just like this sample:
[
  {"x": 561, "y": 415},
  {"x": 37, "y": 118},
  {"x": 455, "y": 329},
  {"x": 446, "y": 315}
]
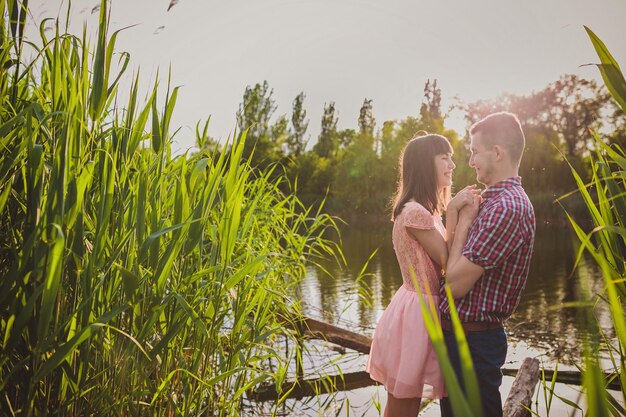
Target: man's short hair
[{"x": 504, "y": 129}]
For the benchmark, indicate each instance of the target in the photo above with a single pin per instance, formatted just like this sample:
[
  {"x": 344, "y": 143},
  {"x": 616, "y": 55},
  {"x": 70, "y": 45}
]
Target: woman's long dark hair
[{"x": 418, "y": 179}]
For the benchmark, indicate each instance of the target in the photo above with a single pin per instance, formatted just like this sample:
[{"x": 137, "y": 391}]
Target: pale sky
[{"x": 348, "y": 50}]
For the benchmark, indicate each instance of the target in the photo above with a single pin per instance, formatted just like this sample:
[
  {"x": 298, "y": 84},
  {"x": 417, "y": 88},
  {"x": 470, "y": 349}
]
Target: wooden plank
[
  {"x": 313, "y": 387},
  {"x": 337, "y": 335},
  {"x": 521, "y": 393},
  {"x": 342, "y": 337},
  {"x": 572, "y": 377}
]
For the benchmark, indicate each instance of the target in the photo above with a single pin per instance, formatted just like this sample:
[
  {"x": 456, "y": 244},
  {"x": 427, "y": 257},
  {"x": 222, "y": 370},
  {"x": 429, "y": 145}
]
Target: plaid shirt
[{"x": 501, "y": 241}]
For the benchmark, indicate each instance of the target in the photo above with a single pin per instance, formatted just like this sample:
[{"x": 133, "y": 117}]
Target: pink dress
[{"x": 402, "y": 357}]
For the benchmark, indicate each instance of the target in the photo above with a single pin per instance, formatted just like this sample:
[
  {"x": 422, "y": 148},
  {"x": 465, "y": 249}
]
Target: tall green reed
[
  {"x": 134, "y": 282},
  {"x": 605, "y": 199},
  {"x": 463, "y": 393}
]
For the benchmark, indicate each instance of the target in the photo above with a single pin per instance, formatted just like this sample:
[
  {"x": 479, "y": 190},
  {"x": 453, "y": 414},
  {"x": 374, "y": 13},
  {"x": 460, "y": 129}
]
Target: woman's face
[{"x": 443, "y": 169}]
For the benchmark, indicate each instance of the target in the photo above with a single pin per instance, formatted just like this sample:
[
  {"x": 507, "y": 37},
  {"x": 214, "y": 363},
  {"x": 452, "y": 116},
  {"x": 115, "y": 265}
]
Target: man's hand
[
  {"x": 469, "y": 211},
  {"x": 464, "y": 197}
]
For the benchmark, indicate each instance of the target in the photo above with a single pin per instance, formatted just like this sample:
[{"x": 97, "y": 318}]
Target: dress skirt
[{"x": 402, "y": 357}]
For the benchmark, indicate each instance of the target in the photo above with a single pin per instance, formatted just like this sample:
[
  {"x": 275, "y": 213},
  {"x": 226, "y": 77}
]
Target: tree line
[{"x": 353, "y": 172}]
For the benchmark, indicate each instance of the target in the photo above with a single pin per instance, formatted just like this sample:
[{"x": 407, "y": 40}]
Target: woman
[{"x": 402, "y": 357}]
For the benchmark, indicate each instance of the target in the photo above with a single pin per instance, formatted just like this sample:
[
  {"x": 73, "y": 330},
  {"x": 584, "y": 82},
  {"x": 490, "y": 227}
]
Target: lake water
[{"x": 539, "y": 328}]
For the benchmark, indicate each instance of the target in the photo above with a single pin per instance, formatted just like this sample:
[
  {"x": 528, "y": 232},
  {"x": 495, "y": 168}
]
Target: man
[{"x": 490, "y": 255}]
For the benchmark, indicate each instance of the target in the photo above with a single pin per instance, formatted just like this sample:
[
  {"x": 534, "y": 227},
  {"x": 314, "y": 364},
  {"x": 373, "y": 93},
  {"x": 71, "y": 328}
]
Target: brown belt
[{"x": 471, "y": 326}]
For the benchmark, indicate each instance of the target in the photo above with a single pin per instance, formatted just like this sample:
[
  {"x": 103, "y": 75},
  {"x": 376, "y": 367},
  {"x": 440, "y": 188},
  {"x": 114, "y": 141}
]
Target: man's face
[{"x": 482, "y": 159}]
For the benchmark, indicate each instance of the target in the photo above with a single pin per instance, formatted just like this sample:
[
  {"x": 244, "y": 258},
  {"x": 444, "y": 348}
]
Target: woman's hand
[{"x": 464, "y": 197}]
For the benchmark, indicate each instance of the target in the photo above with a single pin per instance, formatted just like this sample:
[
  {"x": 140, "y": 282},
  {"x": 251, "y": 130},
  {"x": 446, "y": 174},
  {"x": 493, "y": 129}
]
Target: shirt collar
[{"x": 498, "y": 187}]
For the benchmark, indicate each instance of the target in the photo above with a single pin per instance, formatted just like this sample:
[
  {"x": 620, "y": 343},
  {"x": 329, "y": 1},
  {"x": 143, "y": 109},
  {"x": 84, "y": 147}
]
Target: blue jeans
[{"x": 488, "y": 351}]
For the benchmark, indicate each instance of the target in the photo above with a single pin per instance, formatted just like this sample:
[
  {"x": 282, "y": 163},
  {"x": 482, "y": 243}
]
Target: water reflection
[{"x": 538, "y": 321}]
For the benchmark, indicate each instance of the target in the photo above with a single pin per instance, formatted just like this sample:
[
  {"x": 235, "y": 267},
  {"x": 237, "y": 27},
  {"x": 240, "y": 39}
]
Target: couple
[{"x": 484, "y": 249}]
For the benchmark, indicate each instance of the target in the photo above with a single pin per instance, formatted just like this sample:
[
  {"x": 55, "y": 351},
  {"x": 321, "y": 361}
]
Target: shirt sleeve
[
  {"x": 494, "y": 237},
  {"x": 417, "y": 217}
]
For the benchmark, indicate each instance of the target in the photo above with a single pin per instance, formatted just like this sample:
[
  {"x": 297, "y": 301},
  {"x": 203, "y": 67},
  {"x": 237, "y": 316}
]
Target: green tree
[
  {"x": 312, "y": 175},
  {"x": 557, "y": 121},
  {"x": 313, "y": 171},
  {"x": 326, "y": 145},
  {"x": 431, "y": 117},
  {"x": 367, "y": 122},
  {"x": 575, "y": 108},
  {"x": 358, "y": 182},
  {"x": 569, "y": 107},
  {"x": 617, "y": 121},
  {"x": 296, "y": 141},
  {"x": 542, "y": 166},
  {"x": 263, "y": 140},
  {"x": 345, "y": 137}
]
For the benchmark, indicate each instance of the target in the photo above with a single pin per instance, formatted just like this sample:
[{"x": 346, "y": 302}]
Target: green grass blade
[
  {"x": 610, "y": 70},
  {"x": 64, "y": 351}
]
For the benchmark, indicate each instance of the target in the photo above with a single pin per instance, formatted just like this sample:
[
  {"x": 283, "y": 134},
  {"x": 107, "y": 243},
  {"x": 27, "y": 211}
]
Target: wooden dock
[{"x": 516, "y": 404}]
